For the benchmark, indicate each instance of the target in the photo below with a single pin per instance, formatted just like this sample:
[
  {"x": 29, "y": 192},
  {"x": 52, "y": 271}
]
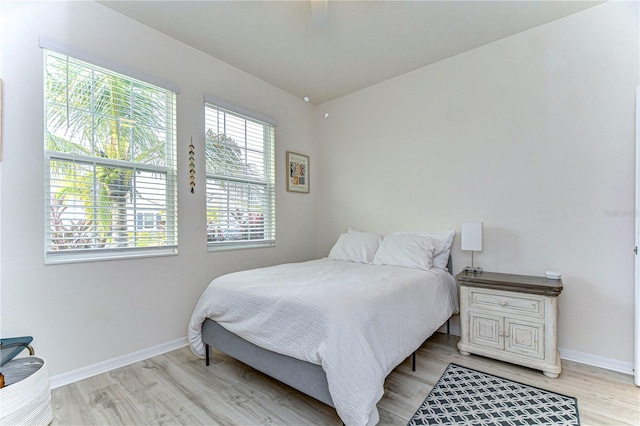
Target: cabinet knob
[
  {"x": 503, "y": 302},
  {"x": 506, "y": 334}
]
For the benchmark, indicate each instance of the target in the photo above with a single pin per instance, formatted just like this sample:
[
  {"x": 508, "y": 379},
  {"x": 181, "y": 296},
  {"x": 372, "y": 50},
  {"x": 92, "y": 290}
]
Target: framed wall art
[{"x": 297, "y": 172}]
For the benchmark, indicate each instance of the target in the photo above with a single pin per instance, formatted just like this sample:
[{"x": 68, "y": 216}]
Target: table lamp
[{"x": 471, "y": 240}]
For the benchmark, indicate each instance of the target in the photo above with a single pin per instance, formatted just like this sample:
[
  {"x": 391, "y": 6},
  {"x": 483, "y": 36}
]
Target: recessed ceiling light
[{"x": 306, "y": 99}]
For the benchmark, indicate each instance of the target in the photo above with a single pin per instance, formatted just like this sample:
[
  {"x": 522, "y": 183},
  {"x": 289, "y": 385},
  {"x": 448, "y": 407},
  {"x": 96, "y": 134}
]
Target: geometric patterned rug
[{"x": 464, "y": 396}]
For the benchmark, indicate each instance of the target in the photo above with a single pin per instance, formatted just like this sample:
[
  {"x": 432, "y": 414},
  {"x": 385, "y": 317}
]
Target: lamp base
[{"x": 472, "y": 270}]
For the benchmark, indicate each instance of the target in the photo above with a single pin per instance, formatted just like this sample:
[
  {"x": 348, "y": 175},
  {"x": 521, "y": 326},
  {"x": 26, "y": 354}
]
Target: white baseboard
[
  {"x": 121, "y": 361},
  {"x": 597, "y": 361},
  {"x": 111, "y": 364},
  {"x": 571, "y": 355}
]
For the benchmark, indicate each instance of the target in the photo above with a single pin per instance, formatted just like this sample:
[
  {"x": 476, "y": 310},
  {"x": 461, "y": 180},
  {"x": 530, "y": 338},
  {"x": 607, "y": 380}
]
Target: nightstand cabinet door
[
  {"x": 524, "y": 338},
  {"x": 486, "y": 330}
]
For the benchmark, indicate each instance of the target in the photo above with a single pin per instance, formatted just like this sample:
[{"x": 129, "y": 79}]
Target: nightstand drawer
[{"x": 507, "y": 302}]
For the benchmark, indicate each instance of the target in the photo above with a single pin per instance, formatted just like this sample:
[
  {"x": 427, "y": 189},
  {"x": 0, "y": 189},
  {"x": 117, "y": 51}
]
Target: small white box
[{"x": 553, "y": 275}]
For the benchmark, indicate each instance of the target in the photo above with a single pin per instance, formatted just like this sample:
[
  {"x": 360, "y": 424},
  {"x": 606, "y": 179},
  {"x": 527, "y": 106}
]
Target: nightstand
[{"x": 512, "y": 318}]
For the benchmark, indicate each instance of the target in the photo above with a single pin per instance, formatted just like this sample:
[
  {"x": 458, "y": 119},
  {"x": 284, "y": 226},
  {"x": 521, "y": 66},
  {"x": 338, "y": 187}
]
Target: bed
[{"x": 331, "y": 328}]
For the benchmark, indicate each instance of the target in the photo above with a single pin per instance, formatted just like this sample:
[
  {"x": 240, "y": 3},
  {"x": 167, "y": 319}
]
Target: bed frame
[{"x": 304, "y": 376}]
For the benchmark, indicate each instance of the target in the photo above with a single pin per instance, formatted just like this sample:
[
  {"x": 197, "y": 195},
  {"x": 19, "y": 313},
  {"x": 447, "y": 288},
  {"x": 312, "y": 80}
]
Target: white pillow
[
  {"x": 441, "y": 260},
  {"x": 408, "y": 250},
  {"x": 358, "y": 247}
]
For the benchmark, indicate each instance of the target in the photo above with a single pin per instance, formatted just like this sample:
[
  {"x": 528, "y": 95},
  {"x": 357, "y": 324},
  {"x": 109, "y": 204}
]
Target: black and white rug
[{"x": 464, "y": 396}]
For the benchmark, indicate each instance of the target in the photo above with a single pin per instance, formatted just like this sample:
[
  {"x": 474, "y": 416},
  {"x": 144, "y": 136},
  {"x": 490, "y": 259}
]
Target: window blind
[
  {"x": 110, "y": 150},
  {"x": 240, "y": 187}
]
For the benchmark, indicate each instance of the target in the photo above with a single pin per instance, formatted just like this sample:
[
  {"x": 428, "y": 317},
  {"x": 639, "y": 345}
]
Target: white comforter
[{"x": 357, "y": 321}]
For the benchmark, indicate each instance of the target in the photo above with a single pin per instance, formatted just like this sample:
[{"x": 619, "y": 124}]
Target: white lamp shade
[{"x": 471, "y": 236}]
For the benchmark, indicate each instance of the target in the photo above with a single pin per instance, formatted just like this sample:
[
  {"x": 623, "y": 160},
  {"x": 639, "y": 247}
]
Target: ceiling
[{"x": 343, "y": 46}]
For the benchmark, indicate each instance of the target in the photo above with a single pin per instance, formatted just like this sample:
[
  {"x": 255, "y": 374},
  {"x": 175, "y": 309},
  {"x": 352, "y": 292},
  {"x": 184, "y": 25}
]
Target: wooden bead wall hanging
[{"x": 192, "y": 167}]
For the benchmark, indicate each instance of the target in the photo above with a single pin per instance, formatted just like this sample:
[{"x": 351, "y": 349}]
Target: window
[
  {"x": 110, "y": 155},
  {"x": 240, "y": 178}
]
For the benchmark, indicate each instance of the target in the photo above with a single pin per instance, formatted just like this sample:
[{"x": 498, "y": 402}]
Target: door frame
[{"x": 636, "y": 358}]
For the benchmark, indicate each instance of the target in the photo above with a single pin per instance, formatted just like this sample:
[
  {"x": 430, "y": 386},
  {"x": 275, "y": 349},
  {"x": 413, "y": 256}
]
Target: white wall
[
  {"x": 532, "y": 135},
  {"x": 85, "y": 313}
]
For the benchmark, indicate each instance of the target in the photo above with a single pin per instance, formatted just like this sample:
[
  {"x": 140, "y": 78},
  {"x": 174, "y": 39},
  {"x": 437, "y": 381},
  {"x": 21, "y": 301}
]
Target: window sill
[
  {"x": 57, "y": 259},
  {"x": 239, "y": 246}
]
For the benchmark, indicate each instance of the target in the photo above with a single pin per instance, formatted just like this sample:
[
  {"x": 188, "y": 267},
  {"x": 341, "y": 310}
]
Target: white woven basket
[{"x": 26, "y": 398}]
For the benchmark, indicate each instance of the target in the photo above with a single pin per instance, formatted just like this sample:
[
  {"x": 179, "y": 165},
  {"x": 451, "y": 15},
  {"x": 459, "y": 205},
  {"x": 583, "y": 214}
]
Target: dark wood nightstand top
[{"x": 511, "y": 282}]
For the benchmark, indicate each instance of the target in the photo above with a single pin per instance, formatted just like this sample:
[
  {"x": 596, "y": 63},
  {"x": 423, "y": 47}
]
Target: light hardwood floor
[{"x": 177, "y": 388}]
